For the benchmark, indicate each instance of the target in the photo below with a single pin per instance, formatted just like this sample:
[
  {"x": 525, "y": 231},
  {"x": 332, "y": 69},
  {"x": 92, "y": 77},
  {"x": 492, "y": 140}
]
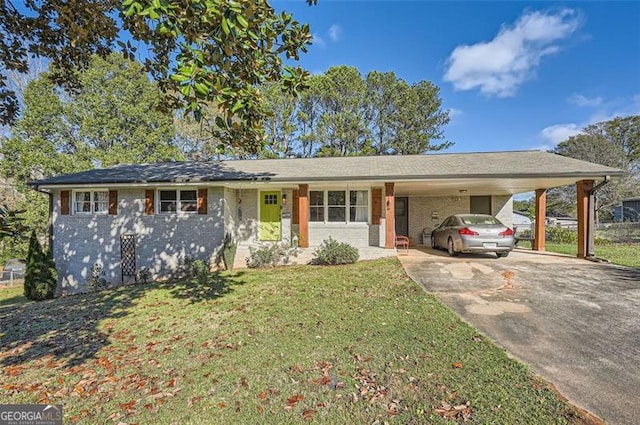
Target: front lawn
[{"x": 348, "y": 344}]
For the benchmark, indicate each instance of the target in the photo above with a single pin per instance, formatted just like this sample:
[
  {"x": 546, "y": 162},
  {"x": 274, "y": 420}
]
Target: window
[
  {"x": 316, "y": 205},
  {"x": 339, "y": 206},
  {"x": 178, "y": 200},
  {"x": 359, "y": 205},
  {"x": 336, "y": 202},
  {"x": 270, "y": 199},
  {"x": 91, "y": 202}
]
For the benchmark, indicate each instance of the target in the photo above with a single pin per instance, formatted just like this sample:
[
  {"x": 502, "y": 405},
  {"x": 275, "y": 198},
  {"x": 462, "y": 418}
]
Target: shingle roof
[{"x": 519, "y": 164}]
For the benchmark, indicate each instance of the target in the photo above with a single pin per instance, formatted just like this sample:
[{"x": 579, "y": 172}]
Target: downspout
[{"x": 591, "y": 213}]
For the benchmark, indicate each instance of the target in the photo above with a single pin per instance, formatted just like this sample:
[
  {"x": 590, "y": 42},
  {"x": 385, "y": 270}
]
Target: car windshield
[{"x": 475, "y": 219}]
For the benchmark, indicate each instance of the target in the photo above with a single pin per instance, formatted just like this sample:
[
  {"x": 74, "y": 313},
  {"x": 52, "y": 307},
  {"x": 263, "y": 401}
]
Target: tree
[
  {"x": 207, "y": 51},
  {"x": 116, "y": 115},
  {"x": 40, "y": 278},
  {"x": 614, "y": 143},
  {"x": 406, "y": 119}
]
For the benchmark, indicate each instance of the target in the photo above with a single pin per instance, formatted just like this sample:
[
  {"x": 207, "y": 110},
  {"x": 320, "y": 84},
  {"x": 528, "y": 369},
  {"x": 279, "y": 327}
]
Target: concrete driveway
[{"x": 576, "y": 323}]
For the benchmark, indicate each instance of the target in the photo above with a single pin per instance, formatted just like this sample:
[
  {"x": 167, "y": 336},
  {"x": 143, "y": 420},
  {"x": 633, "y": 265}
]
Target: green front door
[{"x": 269, "y": 229}]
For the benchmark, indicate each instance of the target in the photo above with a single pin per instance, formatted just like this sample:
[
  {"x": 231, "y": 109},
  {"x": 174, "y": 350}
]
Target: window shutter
[
  {"x": 113, "y": 202},
  {"x": 149, "y": 196},
  {"x": 376, "y": 207},
  {"x": 202, "y": 201},
  {"x": 295, "y": 219},
  {"x": 64, "y": 202}
]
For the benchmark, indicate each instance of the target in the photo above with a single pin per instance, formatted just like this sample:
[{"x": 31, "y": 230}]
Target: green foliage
[
  {"x": 40, "y": 277},
  {"x": 12, "y": 224},
  {"x": 96, "y": 281},
  {"x": 271, "y": 255},
  {"x": 332, "y": 252},
  {"x": 195, "y": 267},
  {"x": 342, "y": 113},
  {"x": 229, "y": 251},
  {"x": 200, "y": 52},
  {"x": 614, "y": 143},
  {"x": 561, "y": 235}
]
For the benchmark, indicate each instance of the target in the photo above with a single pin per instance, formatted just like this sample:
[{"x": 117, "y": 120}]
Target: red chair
[{"x": 402, "y": 242}]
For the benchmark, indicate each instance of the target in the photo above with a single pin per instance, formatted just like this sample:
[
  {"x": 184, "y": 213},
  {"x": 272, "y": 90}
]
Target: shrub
[
  {"x": 333, "y": 252},
  {"x": 561, "y": 235},
  {"x": 96, "y": 282},
  {"x": 271, "y": 255},
  {"x": 195, "y": 267},
  {"x": 229, "y": 251},
  {"x": 40, "y": 278}
]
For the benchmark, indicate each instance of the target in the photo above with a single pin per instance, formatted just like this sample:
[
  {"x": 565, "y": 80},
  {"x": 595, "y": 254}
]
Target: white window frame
[
  {"x": 347, "y": 206},
  {"x": 92, "y": 202},
  {"x": 178, "y": 200}
]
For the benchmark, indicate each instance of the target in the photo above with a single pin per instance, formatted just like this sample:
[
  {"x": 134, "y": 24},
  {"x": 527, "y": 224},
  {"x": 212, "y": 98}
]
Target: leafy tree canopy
[
  {"x": 199, "y": 51},
  {"x": 614, "y": 143},
  {"x": 341, "y": 113}
]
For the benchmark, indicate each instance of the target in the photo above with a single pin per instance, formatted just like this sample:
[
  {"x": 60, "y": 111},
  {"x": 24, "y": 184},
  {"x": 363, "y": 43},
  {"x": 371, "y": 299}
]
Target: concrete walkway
[{"x": 576, "y": 323}]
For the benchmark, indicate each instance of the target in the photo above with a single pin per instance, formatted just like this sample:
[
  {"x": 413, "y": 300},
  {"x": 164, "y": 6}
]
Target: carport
[{"x": 487, "y": 187}]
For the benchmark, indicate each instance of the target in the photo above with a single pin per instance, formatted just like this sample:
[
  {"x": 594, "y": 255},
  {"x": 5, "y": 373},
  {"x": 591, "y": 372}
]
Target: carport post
[
  {"x": 583, "y": 189},
  {"x": 390, "y": 216},
  {"x": 303, "y": 215},
  {"x": 541, "y": 214}
]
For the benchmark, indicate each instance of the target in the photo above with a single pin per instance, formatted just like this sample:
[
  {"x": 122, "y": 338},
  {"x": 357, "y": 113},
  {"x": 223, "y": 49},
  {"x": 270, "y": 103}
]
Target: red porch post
[
  {"x": 303, "y": 215},
  {"x": 541, "y": 214},
  {"x": 390, "y": 216},
  {"x": 583, "y": 187}
]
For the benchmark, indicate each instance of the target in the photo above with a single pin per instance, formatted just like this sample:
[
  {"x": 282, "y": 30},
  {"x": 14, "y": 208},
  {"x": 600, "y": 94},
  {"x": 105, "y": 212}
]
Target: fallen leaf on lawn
[
  {"x": 128, "y": 406},
  {"x": 243, "y": 382},
  {"x": 308, "y": 414},
  {"x": 221, "y": 405},
  {"x": 171, "y": 383},
  {"x": 262, "y": 395},
  {"x": 260, "y": 410},
  {"x": 457, "y": 365},
  {"x": 295, "y": 399}
]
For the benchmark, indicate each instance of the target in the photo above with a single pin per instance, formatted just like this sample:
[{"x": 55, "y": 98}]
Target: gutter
[
  {"x": 591, "y": 213},
  {"x": 50, "y": 219}
]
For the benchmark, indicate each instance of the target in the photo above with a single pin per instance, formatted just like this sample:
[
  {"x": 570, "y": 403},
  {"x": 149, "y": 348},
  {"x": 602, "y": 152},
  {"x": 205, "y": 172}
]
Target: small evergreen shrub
[
  {"x": 332, "y": 252},
  {"x": 96, "y": 281},
  {"x": 271, "y": 255},
  {"x": 229, "y": 251},
  {"x": 195, "y": 267},
  {"x": 40, "y": 278}
]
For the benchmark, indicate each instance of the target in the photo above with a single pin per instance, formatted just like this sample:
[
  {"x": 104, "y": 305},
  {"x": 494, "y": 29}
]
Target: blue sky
[{"x": 515, "y": 75}]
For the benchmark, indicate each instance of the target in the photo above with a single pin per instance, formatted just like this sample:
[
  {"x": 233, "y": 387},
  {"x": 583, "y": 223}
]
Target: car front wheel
[{"x": 450, "y": 249}]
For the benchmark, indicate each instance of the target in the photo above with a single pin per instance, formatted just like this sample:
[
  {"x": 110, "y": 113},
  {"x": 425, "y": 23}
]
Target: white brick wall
[
  {"x": 421, "y": 209},
  {"x": 80, "y": 241}
]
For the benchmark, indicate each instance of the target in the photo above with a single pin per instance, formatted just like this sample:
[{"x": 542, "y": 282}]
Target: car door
[{"x": 442, "y": 233}]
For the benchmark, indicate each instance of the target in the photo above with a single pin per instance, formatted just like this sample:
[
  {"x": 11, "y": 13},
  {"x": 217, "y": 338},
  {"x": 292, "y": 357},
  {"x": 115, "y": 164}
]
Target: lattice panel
[{"x": 128, "y": 255}]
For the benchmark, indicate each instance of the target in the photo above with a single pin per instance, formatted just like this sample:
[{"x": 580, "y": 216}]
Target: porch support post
[
  {"x": 583, "y": 189},
  {"x": 390, "y": 216},
  {"x": 303, "y": 216},
  {"x": 541, "y": 214}
]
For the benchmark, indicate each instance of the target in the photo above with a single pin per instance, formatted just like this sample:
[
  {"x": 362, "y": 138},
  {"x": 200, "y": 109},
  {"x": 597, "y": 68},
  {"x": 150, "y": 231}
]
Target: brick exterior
[{"x": 162, "y": 240}]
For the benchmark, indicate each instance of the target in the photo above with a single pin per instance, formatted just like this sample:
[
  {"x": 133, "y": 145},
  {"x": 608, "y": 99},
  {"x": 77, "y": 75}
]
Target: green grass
[
  {"x": 347, "y": 344},
  {"x": 623, "y": 254},
  {"x": 12, "y": 295}
]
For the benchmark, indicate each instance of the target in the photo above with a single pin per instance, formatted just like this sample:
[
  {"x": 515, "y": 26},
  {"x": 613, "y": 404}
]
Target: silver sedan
[{"x": 473, "y": 233}]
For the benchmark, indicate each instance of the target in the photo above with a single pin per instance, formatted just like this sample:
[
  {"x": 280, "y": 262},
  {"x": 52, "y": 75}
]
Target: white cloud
[
  {"x": 335, "y": 32},
  {"x": 454, "y": 113},
  {"x": 318, "y": 41},
  {"x": 499, "y": 67},
  {"x": 580, "y": 100},
  {"x": 554, "y": 134}
]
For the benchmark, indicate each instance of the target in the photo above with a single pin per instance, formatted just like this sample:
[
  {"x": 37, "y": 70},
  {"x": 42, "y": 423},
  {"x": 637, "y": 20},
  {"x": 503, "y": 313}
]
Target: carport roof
[{"x": 449, "y": 166}]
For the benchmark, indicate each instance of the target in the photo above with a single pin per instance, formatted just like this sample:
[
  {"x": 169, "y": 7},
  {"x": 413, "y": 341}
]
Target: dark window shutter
[
  {"x": 64, "y": 202},
  {"x": 149, "y": 196},
  {"x": 295, "y": 218},
  {"x": 113, "y": 202},
  {"x": 376, "y": 206},
  {"x": 202, "y": 201}
]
